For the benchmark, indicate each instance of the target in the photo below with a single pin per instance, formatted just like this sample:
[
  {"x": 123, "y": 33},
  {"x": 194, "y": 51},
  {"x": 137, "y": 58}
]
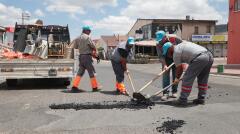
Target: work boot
[
  {"x": 121, "y": 92},
  {"x": 95, "y": 86},
  {"x": 96, "y": 89},
  {"x": 199, "y": 101},
  {"x": 165, "y": 97},
  {"x": 76, "y": 90},
  {"x": 124, "y": 93},
  {"x": 180, "y": 102}
]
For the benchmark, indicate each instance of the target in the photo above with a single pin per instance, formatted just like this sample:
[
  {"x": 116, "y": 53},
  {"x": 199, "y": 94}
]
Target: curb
[{"x": 225, "y": 74}]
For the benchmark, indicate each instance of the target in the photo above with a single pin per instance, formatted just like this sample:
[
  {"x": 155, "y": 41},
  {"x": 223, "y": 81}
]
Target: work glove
[
  {"x": 98, "y": 59},
  {"x": 176, "y": 81},
  {"x": 127, "y": 72}
]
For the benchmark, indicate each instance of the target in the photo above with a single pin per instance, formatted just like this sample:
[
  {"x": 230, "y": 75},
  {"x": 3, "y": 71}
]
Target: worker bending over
[
  {"x": 200, "y": 61},
  {"x": 119, "y": 63}
]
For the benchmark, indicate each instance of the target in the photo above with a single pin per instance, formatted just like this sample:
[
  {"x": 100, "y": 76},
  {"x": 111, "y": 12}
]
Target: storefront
[
  {"x": 146, "y": 47},
  {"x": 217, "y": 44}
]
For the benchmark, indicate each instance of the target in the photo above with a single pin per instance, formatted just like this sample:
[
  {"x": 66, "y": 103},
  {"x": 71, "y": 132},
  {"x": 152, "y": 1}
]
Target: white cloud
[
  {"x": 219, "y": 0},
  {"x": 74, "y": 7},
  {"x": 9, "y": 15},
  {"x": 116, "y": 24},
  {"x": 157, "y": 9},
  {"x": 39, "y": 13},
  {"x": 171, "y": 9}
]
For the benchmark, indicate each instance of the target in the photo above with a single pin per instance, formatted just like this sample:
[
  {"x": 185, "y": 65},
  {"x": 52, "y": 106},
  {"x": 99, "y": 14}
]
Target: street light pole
[{"x": 25, "y": 16}]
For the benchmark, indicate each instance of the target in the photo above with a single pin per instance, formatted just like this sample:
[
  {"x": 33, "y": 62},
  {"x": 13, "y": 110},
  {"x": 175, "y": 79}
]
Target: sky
[{"x": 108, "y": 17}]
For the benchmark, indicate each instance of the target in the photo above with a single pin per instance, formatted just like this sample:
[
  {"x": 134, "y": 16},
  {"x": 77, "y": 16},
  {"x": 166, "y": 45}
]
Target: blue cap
[
  {"x": 165, "y": 48},
  {"x": 131, "y": 41},
  {"x": 160, "y": 35},
  {"x": 86, "y": 28}
]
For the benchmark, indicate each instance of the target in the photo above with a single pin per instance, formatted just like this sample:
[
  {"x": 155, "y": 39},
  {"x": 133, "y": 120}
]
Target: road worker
[
  {"x": 200, "y": 61},
  {"x": 161, "y": 39},
  {"x": 119, "y": 63},
  {"x": 87, "y": 50}
]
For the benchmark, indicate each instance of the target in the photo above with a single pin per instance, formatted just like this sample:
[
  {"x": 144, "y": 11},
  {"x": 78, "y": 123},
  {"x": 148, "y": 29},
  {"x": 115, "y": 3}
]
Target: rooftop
[
  {"x": 146, "y": 43},
  {"x": 178, "y": 20},
  {"x": 112, "y": 40},
  {"x": 2, "y": 28}
]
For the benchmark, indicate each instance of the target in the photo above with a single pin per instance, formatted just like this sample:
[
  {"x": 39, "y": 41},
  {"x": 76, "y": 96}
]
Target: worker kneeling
[
  {"x": 119, "y": 63},
  {"x": 200, "y": 61}
]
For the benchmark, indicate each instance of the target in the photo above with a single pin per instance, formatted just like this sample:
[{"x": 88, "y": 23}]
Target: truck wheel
[
  {"x": 11, "y": 82},
  {"x": 67, "y": 82}
]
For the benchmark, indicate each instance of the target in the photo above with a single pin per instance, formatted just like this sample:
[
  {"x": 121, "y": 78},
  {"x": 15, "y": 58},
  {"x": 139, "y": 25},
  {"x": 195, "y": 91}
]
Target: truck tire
[
  {"x": 11, "y": 82},
  {"x": 67, "y": 82}
]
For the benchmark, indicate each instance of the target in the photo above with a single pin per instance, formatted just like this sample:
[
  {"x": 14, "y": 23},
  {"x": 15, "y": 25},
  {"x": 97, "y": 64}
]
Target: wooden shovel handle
[
  {"x": 130, "y": 79},
  {"x": 150, "y": 82},
  {"x": 157, "y": 93}
]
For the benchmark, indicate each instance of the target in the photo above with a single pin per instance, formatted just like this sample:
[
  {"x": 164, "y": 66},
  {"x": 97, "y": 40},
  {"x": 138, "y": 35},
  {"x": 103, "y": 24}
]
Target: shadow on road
[
  {"x": 173, "y": 103},
  {"x": 109, "y": 92},
  {"x": 35, "y": 84}
]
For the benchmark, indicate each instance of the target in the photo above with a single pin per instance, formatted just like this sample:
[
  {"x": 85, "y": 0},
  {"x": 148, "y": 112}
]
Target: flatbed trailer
[{"x": 14, "y": 69}]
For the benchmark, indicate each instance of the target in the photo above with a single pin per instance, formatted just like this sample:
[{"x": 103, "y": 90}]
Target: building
[
  {"x": 221, "y": 29},
  {"x": 144, "y": 31},
  {"x": 217, "y": 44},
  {"x": 183, "y": 28},
  {"x": 234, "y": 32},
  {"x": 109, "y": 42}
]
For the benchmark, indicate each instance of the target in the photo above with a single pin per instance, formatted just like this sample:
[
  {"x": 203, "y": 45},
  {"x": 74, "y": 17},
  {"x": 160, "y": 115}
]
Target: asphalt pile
[
  {"x": 170, "y": 126},
  {"x": 134, "y": 105}
]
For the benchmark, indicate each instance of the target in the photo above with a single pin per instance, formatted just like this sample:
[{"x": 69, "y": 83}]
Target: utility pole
[{"x": 25, "y": 16}]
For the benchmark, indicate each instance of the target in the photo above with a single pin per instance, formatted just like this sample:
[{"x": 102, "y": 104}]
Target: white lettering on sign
[
  {"x": 207, "y": 38},
  {"x": 201, "y": 37}
]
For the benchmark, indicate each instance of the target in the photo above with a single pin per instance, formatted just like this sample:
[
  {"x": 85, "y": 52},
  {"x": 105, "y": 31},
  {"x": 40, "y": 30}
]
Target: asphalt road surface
[{"x": 25, "y": 108}]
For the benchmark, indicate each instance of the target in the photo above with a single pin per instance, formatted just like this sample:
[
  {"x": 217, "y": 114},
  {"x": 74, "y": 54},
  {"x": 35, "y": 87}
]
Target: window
[
  {"x": 237, "y": 5},
  {"x": 196, "y": 30},
  {"x": 208, "y": 29}
]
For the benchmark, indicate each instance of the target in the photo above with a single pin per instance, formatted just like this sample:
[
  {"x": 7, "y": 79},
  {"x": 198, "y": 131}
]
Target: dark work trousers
[
  {"x": 118, "y": 70},
  {"x": 199, "y": 67},
  {"x": 86, "y": 63},
  {"x": 166, "y": 76}
]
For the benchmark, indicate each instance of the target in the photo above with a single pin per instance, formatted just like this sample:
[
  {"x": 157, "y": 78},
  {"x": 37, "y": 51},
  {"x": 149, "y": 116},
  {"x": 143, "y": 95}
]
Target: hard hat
[
  {"x": 130, "y": 41},
  {"x": 86, "y": 28},
  {"x": 160, "y": 35},
  {"x": 165, "y": 48}
]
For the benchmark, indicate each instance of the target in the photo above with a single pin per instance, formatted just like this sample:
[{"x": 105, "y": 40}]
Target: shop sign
[{"x": 199, "y": 38}]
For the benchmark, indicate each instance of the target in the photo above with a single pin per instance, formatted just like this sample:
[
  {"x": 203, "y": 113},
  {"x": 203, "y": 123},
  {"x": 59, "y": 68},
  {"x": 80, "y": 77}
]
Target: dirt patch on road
[
  {"x": 170, "y": 126},
  {"x": 133, "y": 105}
]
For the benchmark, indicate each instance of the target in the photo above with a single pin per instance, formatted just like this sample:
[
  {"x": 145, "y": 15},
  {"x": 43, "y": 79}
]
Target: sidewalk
[{"x": 232, "y": 70}]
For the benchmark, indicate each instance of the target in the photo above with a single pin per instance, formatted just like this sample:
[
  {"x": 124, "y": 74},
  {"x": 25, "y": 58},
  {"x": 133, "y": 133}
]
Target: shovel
[
  {"x": 133, "y": 88},
  {"x": 130, "y": 79},
  {"x": 138, "y": 94},
  {"x": 141, "y": 97}
]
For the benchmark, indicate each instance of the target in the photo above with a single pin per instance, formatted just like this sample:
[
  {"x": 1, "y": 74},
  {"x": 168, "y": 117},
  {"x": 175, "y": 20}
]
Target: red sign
[{"x": 10, "y": 29}]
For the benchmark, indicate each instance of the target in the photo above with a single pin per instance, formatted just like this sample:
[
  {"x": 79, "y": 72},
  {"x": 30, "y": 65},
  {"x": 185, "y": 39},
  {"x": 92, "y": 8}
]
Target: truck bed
[{"x": 36, "y": 68}]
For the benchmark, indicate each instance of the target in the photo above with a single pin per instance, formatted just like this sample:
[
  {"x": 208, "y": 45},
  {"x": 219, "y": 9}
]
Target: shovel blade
[{"x": 139, "y": 96}]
